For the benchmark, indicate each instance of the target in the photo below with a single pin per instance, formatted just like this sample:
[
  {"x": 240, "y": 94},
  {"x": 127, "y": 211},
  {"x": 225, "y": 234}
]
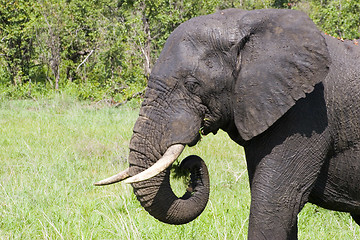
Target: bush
[{"x": 105, "y": 49}]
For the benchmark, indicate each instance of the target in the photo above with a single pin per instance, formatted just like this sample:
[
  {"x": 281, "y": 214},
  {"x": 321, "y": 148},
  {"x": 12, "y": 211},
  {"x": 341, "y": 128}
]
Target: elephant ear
[{"x": 281, "y": 57}]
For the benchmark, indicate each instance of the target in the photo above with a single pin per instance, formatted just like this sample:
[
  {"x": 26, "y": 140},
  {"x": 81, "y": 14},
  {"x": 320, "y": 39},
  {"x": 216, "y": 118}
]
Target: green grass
[{"x": 52, "y": 151}]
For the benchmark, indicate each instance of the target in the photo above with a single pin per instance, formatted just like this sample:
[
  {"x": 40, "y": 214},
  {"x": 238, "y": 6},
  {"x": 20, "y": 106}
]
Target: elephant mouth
[{"x": 209, "y": 126}]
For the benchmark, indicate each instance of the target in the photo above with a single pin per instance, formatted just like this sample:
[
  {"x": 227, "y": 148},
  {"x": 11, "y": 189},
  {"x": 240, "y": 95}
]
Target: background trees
[{"x": 98, "y": 49}]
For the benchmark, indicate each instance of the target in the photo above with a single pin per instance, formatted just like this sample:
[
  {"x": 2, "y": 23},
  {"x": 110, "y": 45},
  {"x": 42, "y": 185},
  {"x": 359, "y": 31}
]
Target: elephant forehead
[
  {"x": 177, "y": 58},
  {"x": 195, "y": 47}
]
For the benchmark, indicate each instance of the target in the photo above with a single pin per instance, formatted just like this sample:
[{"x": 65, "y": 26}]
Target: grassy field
[{"x": 52, "y": 151}]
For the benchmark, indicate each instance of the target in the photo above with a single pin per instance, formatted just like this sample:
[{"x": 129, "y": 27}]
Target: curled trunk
[{"x": 157, "y": 197}]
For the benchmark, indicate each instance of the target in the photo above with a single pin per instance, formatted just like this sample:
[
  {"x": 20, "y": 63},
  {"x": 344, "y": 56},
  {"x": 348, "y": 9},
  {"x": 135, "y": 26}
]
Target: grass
[{"x": 52, "y": 151}]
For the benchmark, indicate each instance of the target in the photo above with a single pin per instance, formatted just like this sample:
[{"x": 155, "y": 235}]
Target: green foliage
[
  {"x": 17, "y": 38},
  {"x": 106, "y": 49},
  {"x": 338, "y": 18}
]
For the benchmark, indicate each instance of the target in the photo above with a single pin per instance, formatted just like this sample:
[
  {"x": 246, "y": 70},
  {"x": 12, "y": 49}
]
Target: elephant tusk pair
[{"x": 171, "y": 154}]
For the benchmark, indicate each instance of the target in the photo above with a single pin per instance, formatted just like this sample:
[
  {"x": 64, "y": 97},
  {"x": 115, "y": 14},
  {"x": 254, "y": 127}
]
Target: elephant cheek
[{"x": 184, "y": 130}]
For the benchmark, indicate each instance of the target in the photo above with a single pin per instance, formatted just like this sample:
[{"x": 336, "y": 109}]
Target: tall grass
[{"x": 52, "y": 151}]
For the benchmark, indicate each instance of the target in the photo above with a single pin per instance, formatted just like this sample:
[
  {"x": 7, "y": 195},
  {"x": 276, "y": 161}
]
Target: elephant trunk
[{"x": 155, "y": 194}]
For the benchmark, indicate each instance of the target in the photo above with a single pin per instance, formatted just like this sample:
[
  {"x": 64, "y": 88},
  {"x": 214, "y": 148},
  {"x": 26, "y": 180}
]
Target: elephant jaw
[{"x": 171, "y": 154}]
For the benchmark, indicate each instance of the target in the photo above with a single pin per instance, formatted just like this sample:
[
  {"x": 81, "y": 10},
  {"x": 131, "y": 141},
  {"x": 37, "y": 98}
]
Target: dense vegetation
[{"x": 105, "y": 49}]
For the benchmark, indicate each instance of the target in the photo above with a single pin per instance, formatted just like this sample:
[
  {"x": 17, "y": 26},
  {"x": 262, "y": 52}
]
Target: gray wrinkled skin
[{"x": 279, "y": 87}]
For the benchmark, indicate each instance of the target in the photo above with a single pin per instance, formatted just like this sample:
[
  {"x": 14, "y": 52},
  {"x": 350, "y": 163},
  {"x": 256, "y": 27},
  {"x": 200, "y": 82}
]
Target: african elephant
[{"x": 289, "y": 94}]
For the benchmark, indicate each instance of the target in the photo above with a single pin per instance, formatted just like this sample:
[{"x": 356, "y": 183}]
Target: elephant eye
[{"x": 192, "y": 85}]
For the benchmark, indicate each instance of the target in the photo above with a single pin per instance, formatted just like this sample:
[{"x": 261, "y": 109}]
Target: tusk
[
  {"x": 171, "y": 154},
  {"x": 114, "y": 179}
]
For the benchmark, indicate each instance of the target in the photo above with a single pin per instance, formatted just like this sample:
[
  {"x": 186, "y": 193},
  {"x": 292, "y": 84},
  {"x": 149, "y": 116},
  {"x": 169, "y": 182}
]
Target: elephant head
[{"x": 234, "y": 70}]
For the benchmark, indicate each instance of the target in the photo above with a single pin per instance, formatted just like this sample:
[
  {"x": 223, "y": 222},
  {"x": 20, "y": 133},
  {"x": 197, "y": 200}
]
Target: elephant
[{"x": 279, "y": 87}]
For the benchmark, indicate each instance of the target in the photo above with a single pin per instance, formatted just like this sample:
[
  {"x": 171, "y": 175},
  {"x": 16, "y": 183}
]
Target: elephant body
[
  {"x": 337, "y": 186},
  {"x": 289, "y": 94},
  {"x": 317, "y": 144}
]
